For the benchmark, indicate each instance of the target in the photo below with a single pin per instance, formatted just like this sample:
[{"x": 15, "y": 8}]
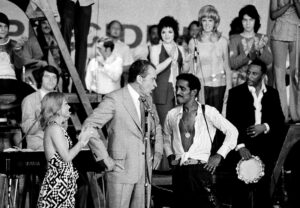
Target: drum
[{"x": 250, "y": 171}]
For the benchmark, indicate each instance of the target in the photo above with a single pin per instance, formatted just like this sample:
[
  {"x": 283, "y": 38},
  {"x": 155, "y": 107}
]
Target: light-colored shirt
[
  {"x": 285, "y": 27},
  {"x": 135, "y": 98},
  {"x": 257, "y": 106},
  {"x": 155, "y": 52},
  {"x": 201, "y": 147},
  {"x": 124, "y": 52},
  {"x": 104, "y": 77},
  {"x": 211, "y": 61},
  {"x": 257, "y": 101},
  {"x": 6, "y": 67},
  {"x": 141, "y": 51},
  {"x": 31, "y": 109}
]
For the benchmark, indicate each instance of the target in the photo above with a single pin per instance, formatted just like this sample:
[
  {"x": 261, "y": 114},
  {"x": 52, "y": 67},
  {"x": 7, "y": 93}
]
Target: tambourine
[{"x": 250, "y": 171}]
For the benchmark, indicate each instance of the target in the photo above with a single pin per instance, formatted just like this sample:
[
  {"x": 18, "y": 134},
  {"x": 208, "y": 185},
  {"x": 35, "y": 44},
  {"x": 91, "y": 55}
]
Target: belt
[{"x": 194, "y": 162}]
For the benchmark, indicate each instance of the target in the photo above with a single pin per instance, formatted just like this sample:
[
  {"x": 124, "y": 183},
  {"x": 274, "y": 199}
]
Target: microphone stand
[
  {"x": 148, "y": 152},
  {"x": 147, "y": 175},
  {"x": 195, "y": 57},
  {"x": 201, "y": 97}
]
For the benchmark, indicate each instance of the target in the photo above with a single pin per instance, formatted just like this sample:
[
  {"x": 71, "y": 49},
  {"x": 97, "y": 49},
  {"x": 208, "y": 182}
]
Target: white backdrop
[{"x": 137, "y": 15}]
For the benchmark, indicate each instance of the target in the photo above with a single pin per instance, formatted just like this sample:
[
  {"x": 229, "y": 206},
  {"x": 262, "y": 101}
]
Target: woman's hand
[
  {"x": 260, "y": 44},
  {"x": 173, "y": 51}
]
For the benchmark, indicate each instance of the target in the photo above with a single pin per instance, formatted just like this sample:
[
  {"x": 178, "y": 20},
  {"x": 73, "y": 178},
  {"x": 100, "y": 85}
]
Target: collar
[
  {"x": 262, "y": 90},
  {"x": 133, "y": 92},
  {"x": 199, "y": 110}
]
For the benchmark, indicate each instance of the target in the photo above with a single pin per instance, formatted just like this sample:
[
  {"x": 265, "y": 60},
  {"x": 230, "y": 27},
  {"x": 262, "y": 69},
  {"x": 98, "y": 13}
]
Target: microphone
[{"x": 195, "y": 49}]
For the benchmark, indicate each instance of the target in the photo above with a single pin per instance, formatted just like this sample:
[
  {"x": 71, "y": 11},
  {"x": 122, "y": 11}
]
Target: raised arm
[
  {"x": 277, "y": 11},
  {"x": 237, "y": 58},
  {"x": 154, "y": 58}
]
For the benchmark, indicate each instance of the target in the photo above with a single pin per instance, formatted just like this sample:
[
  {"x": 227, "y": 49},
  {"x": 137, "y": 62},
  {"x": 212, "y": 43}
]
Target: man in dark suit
[{"x": 254, "y": 109}]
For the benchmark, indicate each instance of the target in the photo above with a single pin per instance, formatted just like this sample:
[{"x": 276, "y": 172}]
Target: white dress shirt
[
  {"x": 123, "y": 50},
  {"x": 257, "y": 106},
  {"x": 135, "y": 98},
  {"x": 202, "y": 144},
  {"x": 103, "y": 76}
]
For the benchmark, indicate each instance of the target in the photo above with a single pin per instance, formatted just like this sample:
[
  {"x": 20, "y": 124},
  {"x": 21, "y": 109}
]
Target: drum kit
[{"x": 250, "y": 171}]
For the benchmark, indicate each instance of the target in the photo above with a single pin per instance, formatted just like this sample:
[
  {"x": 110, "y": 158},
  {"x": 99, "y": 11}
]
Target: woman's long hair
[
  {"x": 50, "y": 107},
  {"x": 252, "y": 12},
  {"x": 210, "y": 11}
]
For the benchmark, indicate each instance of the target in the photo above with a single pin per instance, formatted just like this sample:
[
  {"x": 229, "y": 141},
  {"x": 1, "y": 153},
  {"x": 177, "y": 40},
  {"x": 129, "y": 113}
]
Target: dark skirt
[{"x": 214, "y": 96}]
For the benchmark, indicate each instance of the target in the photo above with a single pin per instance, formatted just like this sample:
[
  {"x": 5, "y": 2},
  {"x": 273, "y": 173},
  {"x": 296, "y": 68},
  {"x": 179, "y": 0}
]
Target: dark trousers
[
  {"x": 74, "y": 16},
  {"x": 193, "y": 187}
]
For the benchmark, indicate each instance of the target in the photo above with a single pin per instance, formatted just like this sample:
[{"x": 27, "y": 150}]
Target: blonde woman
[
  {"x": 59, "y": 185},
  {"x": 211, "y": 63}
]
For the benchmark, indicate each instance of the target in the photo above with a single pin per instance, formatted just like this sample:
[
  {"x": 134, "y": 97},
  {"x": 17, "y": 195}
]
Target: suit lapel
[
  {"x": 130, "y": 107},
  {"x": 249, "y": 100}
]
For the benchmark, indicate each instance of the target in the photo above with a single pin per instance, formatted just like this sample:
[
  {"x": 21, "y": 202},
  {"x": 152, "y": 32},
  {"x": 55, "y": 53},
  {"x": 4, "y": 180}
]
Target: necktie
[{"x": 142, "y": 110}]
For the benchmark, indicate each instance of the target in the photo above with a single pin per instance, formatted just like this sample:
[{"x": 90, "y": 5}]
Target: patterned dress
[{"x": 59, "y": 185}]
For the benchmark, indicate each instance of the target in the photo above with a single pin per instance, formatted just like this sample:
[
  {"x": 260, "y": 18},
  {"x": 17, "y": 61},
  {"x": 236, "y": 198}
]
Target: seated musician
[
  {"x": 33, "y": 58},
  {"x": 189, "y": 131},
  {"x": 255, "y": 110},
  {"x": 103, "y": 74},
  {"x": 10, "y": 61},
  {"x": 31, "y": 107}
]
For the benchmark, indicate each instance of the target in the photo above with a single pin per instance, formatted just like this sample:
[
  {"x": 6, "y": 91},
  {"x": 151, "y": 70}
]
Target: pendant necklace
[{"x": 186, "y": 133}]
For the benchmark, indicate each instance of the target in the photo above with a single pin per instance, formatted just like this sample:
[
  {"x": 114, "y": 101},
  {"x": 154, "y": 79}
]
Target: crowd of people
[{"x": 164, "y": 104}]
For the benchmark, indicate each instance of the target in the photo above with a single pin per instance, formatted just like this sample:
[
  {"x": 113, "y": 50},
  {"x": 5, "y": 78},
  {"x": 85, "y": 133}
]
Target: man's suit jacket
[
  {"x": 241, "y": 113},
  {"x": 125, "y": 135},
  {"x": 31, "y": 109}
]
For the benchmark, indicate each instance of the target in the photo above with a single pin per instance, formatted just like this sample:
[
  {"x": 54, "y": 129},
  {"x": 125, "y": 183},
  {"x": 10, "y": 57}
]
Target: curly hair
[
  {"x": 209, "y": 11},
  {"x": 252, "y": 12},
  {"x": 50, "y": 106},
  {"x": 168, "y": 21}
]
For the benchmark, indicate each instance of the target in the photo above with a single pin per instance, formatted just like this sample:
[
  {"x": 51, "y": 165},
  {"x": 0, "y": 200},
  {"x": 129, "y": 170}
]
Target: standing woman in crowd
[
  {"x": 283, "y": 42},
  {"x": 248, "y": 45},
  {"x": 210, "y": 51},
  {"x": 59, "y": 185},
  {"x": 168, "y": 58}
]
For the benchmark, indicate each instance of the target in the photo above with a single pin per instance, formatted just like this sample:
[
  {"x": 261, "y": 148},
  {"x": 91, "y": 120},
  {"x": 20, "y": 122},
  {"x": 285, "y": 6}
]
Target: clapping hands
[
  {"x": 173, "y": 52},
  {"x": 260, "y": 44}
]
